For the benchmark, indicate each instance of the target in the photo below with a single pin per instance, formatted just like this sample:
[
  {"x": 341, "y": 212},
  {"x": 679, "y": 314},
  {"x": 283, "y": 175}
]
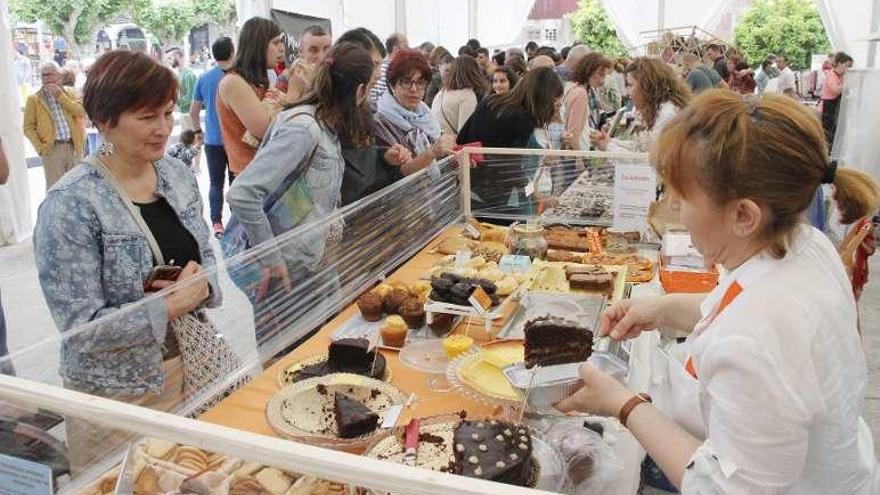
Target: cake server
[{"x": 411, "y": 442}]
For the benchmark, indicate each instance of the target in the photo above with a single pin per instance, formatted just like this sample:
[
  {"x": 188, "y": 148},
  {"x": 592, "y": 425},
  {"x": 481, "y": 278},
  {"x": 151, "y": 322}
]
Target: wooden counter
[{"x": 245, "y": 409}]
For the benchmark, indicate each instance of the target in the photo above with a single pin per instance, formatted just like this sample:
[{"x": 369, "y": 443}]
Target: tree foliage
[
  {"x": 75, "y": 20},
  {"x": 784, "y": 27},
  {"x": 592, "y": 26},
  {"x": 168, "y": 20}
]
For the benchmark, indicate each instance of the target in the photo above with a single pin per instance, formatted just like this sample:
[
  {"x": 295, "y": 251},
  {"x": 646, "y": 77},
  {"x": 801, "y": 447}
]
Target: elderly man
[
  {"x": 53, "y": 124},
  {"x": 566, "y": 69},
  {"x": 314, "y": 43}
]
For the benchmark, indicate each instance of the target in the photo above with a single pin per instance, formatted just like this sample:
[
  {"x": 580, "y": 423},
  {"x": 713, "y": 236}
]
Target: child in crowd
[{"x": 188, "y": 148}]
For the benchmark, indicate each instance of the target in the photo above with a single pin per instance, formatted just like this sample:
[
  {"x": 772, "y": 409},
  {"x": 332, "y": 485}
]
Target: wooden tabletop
[{"x": 245, "y": 409}]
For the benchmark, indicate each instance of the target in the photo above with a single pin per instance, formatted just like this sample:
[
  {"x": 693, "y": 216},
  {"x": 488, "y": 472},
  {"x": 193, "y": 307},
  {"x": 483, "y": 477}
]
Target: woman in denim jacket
[
  {"x": 94, "y": 260},
  {"x": 306, "y": 135}
]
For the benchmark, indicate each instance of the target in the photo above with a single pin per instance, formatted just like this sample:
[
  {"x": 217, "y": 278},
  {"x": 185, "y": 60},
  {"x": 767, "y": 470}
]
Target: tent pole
[
  {"x": 472, "y": 18},
  {"x": 400, "y": 16},
  {"x": 875, "y": 26},
  {"x": 661, "y": 15}
]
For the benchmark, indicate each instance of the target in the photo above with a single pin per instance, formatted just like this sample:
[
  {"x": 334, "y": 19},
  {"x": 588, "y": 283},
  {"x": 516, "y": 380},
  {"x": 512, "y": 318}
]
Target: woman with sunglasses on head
[{"x": 404, "y": 118}]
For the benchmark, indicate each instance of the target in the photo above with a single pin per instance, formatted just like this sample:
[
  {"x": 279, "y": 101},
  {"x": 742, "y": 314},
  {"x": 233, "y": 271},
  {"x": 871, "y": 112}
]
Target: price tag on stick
[{"x": 480, "y": 300}]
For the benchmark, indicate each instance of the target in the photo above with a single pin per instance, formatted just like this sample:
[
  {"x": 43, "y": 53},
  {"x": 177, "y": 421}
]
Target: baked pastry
[
  {"x": 441, "y": 323},
  {"x": 413, "y": 312},
  {"x": 273, "y": 481},
  {"x": 600, "y": 282},
  {"x": 567, "y": 239},
  {"x": 493, "y": 450},
  {"x": 506, "y": 286},
  {"x": 159, "y": 448},
  {"x": 371, "y": 306},
  {"x": 382, "y": 290},
  {"x": 452, "y": 245},
  {"x": 455, "y": 345},
  {"x": 246, "y": 485},
  {"x": 551, "y": 340},
  {"x": 347, "y": 356},
  {"x": 353, "y": 419},
  {"x": 393, "y": 331},
  {"x": 564, "y": 256},
  {"x": 491, "y": 251},
  {"x": 392, "y": 301}
]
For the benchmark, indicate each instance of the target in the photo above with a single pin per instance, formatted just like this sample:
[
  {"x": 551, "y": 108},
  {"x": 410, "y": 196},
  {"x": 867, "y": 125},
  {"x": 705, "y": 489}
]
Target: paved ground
[{"x": 29, "y": 322}]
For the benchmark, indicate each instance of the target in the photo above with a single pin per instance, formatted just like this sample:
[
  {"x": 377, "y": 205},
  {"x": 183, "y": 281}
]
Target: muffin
[
  {"x": 382, "y": 290},
  {"x": 370, "y": 305},
  {"x": 441, "y": 323},
  {"x": 393, "y": 300},
  {"x": 413, "y": 312},
  {"x": 393, "y": 331}
]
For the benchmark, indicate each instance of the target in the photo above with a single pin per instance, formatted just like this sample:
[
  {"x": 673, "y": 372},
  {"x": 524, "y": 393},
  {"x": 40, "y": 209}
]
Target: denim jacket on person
[
  {"x": 287, "y": 145},
  {"x": 93, "y": 260}
]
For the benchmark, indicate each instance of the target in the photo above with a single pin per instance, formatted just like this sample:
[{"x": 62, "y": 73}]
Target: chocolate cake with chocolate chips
[
  {"x": 550, "y": 340},
  {"x": 494, "y": 451}
]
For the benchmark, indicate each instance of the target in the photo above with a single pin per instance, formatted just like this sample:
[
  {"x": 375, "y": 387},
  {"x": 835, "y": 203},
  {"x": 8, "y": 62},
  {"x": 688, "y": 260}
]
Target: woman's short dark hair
[
  {"x": 334, "y": 92},
  {"x": 122, "y": 81},
  {"x": 406, "y": 62},
  {"x": 253, "y": 41},
  {"x": 467, "y": 50},
  {"x": 536, "y": 94},
  {"x": 439, "y": 56},
  {"x": 363, "y": 38},
  {"x": 589, "y": 65},
  {"x": 465, "y": 74}
]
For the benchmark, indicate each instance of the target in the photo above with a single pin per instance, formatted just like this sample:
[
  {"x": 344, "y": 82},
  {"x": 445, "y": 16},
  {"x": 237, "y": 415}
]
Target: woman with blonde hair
[{"x": 770, "y": 397}]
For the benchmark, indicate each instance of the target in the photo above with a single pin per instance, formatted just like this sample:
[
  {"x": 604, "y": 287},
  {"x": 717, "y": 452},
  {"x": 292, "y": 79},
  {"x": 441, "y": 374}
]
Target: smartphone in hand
[{"x": 162, "y": 272}]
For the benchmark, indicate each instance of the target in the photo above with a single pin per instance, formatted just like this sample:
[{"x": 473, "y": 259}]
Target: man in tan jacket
[{"x": 53, "y": 122}]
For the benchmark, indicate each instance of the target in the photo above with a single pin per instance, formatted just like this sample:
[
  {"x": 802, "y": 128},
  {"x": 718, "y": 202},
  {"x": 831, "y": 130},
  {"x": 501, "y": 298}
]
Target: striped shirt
[
  {"x": 381, "y": 85},
  {"x": 62, "y": 129}
]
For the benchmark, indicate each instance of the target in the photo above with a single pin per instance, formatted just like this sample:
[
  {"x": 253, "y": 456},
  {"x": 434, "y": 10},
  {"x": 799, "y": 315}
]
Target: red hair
[{"x": 405, "y": 63}]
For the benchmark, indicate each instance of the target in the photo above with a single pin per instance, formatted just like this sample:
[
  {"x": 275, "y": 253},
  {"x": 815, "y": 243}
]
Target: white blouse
[
  {"x": 782, "y": 379},
  {"x": 453, "y": 108}
]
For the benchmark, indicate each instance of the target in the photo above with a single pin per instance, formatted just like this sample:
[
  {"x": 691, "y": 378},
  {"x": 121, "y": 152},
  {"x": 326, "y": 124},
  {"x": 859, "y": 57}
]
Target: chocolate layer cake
[
  {"x": 550, "y": 340},
  {"x": 493, "y": 450},
  {"x": 353, "y": 419},
  {"x": 347, "y": 356}
]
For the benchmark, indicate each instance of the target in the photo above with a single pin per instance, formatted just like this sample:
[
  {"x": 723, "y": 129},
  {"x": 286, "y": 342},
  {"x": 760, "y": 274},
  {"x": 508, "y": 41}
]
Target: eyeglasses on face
[{"x": 413, "y": 83}]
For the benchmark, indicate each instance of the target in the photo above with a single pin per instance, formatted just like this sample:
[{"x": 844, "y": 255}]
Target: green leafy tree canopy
[
  {"x": 75, "y": 20},
  {"x": 592, "y": 26},
  {"x": 167, "y": 20},
  {"x": 784, "y": 27}
]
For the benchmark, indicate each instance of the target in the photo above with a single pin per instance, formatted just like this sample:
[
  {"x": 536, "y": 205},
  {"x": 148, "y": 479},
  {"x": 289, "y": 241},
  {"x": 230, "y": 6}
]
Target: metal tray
[
  {"x": 586, "y": 308},
  {"x": 357, "y": 327}
]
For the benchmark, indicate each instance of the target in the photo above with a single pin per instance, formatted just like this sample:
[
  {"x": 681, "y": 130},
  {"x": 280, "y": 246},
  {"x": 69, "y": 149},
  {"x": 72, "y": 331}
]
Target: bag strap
[
  {"x": 443, "y": 113},
  {"x": 297, "y": 174},
  {"x": 132, "y": 209}
]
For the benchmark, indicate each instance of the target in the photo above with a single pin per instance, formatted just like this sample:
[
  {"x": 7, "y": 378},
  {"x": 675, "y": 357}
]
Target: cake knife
[{"x": 411, "y": 442}]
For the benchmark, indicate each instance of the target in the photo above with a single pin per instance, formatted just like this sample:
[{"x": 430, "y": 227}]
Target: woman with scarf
[{"x": 404, "y": 118}]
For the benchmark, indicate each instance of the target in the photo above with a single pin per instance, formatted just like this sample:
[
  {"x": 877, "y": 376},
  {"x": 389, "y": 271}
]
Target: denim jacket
[
  {"x": 288, "y": 143},
  {"x": 93, "y": 260}
]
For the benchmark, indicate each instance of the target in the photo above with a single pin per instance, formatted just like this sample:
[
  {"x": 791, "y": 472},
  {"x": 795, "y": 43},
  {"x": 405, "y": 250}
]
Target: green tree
[
  {"x": 168, "y": 20},
  {"x": 592, "y": 26},
  {"x": 784, "y": 27},
  {"x": 220, "y": 12},
  {"x": 75, "y": 20}
]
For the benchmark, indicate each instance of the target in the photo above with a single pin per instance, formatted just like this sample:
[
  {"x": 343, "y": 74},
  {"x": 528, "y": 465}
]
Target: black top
[
  {"x": 174, "y": 240},
  {"x": 512, "y": 130},
  {"x": 494, "y": 180},
  {"x": 366, "y": 172}
]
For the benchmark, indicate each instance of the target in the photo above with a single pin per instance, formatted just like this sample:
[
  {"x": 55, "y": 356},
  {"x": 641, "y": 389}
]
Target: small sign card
[
  {"x": 635, "y": 188},
  {"x": 480, "y": 300},
  {"x": 21, "y": 477}
]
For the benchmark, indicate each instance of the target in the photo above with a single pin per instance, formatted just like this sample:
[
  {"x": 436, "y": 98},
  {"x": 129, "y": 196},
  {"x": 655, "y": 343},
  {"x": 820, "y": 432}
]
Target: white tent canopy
[
  {"x": 447, "y": 22},
  {"x": 847, "y": 22}
]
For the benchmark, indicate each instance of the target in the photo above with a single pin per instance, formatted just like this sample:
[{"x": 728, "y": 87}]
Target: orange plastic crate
[{"x": 675, "y": 281}]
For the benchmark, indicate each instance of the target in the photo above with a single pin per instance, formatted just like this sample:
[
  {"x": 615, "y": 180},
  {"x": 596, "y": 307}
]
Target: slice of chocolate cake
[
  {"x": 346, "y": 356},
  {"x": 353, "y": 419},
  {"x": 551, "y": 340},
  {"x": 603, "y": 282},
  {"x": 493, "y": 450}
]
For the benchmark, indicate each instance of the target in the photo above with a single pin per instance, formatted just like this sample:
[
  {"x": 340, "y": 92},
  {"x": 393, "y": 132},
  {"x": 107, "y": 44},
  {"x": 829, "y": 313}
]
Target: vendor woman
[{"x": 770, "y": 397}]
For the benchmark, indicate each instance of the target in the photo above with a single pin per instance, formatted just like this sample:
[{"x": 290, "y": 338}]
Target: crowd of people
[{"x": 351, "y": 116}]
